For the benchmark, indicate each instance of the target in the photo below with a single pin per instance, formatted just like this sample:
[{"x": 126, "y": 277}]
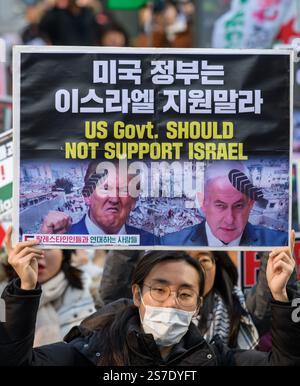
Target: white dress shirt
[
  {"x": 214, "y": 242},
  {"x": 94, "y": 229}
]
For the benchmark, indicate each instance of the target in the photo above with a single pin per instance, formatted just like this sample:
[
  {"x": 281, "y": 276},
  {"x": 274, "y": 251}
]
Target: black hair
[
  {"x": 114, "y": 325},
  {"x": 153, "y": 258},
  {"x": 158, "y": 6},
  {"x": 115, "y": 27},
  {"x": 72, "y": 274},
  {"x": 225, "y": 279}
]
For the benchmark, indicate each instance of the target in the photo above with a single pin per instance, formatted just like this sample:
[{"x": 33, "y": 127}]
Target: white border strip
[
  {"x": 292, "y": 57},
  {"x": 16, "y": 141},
  {"x": 131, "y": 50},
  {"x": 17, "y": 50}
]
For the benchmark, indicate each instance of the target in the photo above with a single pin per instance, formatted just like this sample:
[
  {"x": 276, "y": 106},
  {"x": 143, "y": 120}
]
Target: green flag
[{"x": 125, "y": 4}]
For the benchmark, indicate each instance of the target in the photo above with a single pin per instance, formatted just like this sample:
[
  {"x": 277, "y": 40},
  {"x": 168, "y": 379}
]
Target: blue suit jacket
[
  {"x": 253, "y": 235},
  {"x": 146, "y": 238}
]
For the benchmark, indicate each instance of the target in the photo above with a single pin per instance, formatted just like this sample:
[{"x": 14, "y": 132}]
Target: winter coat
[
  {"x": 85, "y": 344},
  {"x": 259, "y": 297},
  {"x": 60, "y": 308}
]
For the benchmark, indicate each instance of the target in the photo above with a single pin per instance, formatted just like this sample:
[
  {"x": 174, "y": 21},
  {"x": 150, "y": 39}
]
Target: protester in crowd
[
  {"x": 155, "y": 329},
  {"x": 224, "y": 312},
  {"x": 86, "y": 261},
  {"x": 258, "y": 301},
  {"x": 113, "y": 35},
  {"x": 69, "y": 23},
  {"x": 65, "y": 300},
  {"x": 31, "y": 33},
  {"x": 229, "y": 197},
  {"x": 109, "y": 208},
  {"x": 165, "y": 24}
]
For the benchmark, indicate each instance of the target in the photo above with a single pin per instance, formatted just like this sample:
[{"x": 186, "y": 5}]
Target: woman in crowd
[
  {"x": 113, "y": 35},
  {"x": 224, "y": 312},
  {"x": 65, "y": 300},
  {"x": 155, "y": 329}
]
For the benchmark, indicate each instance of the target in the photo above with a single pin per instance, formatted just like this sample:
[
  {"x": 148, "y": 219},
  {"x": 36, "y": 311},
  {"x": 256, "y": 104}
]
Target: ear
[
  {"x": 203, "y": 206},
  {"x": 136, "y": 295},
  {"x": 200, "y": 199},
  {"x": 251, "y": 204},
  {"x": 87, "y": 200}
]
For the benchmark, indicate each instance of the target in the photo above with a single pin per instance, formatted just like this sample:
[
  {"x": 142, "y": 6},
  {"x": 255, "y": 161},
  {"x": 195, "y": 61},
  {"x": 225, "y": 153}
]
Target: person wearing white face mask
[
  {"x": 167, "y": 317},
  {"x": 153, "y": 330},
  {"x": 167, "y": 325}
]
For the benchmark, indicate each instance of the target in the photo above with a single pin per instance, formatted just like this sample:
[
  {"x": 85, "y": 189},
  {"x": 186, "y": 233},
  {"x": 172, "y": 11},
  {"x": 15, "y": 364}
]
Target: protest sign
[
  {"x": 6, "y": 178},
  {"x": 250, "y": 24},
  {"x": 297, "y": 257},
  {"x": 5, "y": 113},
  {"x": 127, "y": 147},
  {"x": 249, "y": 269}
]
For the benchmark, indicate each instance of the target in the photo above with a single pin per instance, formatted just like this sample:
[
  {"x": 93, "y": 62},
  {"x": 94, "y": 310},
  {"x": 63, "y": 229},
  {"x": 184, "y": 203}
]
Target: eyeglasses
[{"x": 185, "y": 297}]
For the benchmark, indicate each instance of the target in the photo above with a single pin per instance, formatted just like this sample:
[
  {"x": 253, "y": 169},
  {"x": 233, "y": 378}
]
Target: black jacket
[
  {"x": 62, "y": 27},
  {"x": 83, "y": 346},
  {"x": 259, "y": 297},
  {"x": 254, "y": 235}
]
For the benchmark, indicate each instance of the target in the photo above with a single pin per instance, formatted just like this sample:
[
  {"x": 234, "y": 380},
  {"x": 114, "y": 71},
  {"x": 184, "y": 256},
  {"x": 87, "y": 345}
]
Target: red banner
[{"x": 250, "y": 264}]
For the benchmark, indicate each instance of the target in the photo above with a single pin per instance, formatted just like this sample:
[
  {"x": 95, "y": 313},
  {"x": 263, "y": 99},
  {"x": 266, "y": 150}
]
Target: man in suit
[
  {"x": 228, "y": 199},
  {"x": 109, "y": 204}
]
